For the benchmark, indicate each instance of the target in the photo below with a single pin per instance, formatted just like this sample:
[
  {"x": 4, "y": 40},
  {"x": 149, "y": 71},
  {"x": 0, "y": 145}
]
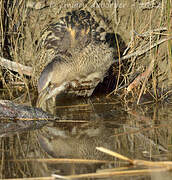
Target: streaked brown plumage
[{"x": 78, "y": 56}]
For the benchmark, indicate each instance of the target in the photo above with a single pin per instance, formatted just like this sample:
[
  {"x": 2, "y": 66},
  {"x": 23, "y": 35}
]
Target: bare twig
[
  {"x": 140, "y": 52},
  {"x": 152, "y": 31},
  {"x": 145, "y": 75}
]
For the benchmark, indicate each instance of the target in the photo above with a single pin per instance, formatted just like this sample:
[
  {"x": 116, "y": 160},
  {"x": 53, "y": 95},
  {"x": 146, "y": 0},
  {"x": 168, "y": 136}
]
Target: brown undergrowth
[
  {"x": 144, "y": 65},
  {"x": 143, "y": 68}
]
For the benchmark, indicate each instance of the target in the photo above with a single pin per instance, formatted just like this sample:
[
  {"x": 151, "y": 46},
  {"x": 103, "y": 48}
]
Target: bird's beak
[
  {"x": 42, "y": 97},
  {"x": 49, "y": 92}
]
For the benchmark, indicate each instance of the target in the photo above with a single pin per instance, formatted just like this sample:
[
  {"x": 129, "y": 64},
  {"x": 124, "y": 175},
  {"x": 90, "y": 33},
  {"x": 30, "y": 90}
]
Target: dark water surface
[{"x": 138, "y": 132}]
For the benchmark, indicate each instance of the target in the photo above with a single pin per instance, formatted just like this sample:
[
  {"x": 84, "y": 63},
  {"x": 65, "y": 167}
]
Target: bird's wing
[{"x": 71, "y": 33}]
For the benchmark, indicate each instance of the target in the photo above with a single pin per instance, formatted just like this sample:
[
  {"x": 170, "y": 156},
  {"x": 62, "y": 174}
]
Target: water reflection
[{"x": 137, "y": 132}]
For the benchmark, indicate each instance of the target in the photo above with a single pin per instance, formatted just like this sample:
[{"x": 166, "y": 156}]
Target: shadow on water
[{"x": 142, "y": 132}]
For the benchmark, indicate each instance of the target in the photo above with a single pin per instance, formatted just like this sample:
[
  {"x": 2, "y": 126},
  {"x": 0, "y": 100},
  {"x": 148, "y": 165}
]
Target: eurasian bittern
[{"x": 80, "y": 56}]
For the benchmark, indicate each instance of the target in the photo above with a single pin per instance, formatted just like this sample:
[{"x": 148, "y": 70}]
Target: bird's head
[{"x": 52, "y": 80}]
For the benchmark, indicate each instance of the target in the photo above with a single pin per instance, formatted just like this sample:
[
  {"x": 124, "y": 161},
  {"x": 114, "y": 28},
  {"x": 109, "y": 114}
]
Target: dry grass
[
  {"x": 141, "y": 25},
  {"x": 148, "y": 167},
  {"x": 145, "y": 66}
]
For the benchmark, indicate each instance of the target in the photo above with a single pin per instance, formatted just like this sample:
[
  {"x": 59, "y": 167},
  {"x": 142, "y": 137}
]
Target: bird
[{"x": 77, "y": 56}]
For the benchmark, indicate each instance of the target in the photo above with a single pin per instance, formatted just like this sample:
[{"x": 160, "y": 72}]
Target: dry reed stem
[
  {"x": 152, "y": 31},
  {"x": 46, "y": 119},
  {"x": 73, "y": 106},
  {"x": 113, "y": 169},
  {"x": 110, "y": 174},
  {"x": 56, "y": 160},
  {"x": 145, "y": 75},
  {"x": 140, "y": 52},
  {"x": 34, "y": 178},
  {"x": 142, "y": 129},
  {"x": 28, "y": 70},
  {"x": 115, "y": 154},
  {"x": 164, "y": 164}
]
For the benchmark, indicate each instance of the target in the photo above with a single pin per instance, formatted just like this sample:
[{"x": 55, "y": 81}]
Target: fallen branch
[
  {"x": 15, "y": 66},
  {"x": 27, "y": 70}
]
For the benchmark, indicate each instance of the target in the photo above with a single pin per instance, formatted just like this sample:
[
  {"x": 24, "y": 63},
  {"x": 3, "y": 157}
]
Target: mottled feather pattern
[
  {"x": 76, "y": 27},
  {"x": 80, "y": 41}
]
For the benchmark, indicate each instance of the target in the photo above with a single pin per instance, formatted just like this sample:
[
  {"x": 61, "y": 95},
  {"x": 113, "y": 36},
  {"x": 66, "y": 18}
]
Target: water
[{"x": 138, "y": 132}]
